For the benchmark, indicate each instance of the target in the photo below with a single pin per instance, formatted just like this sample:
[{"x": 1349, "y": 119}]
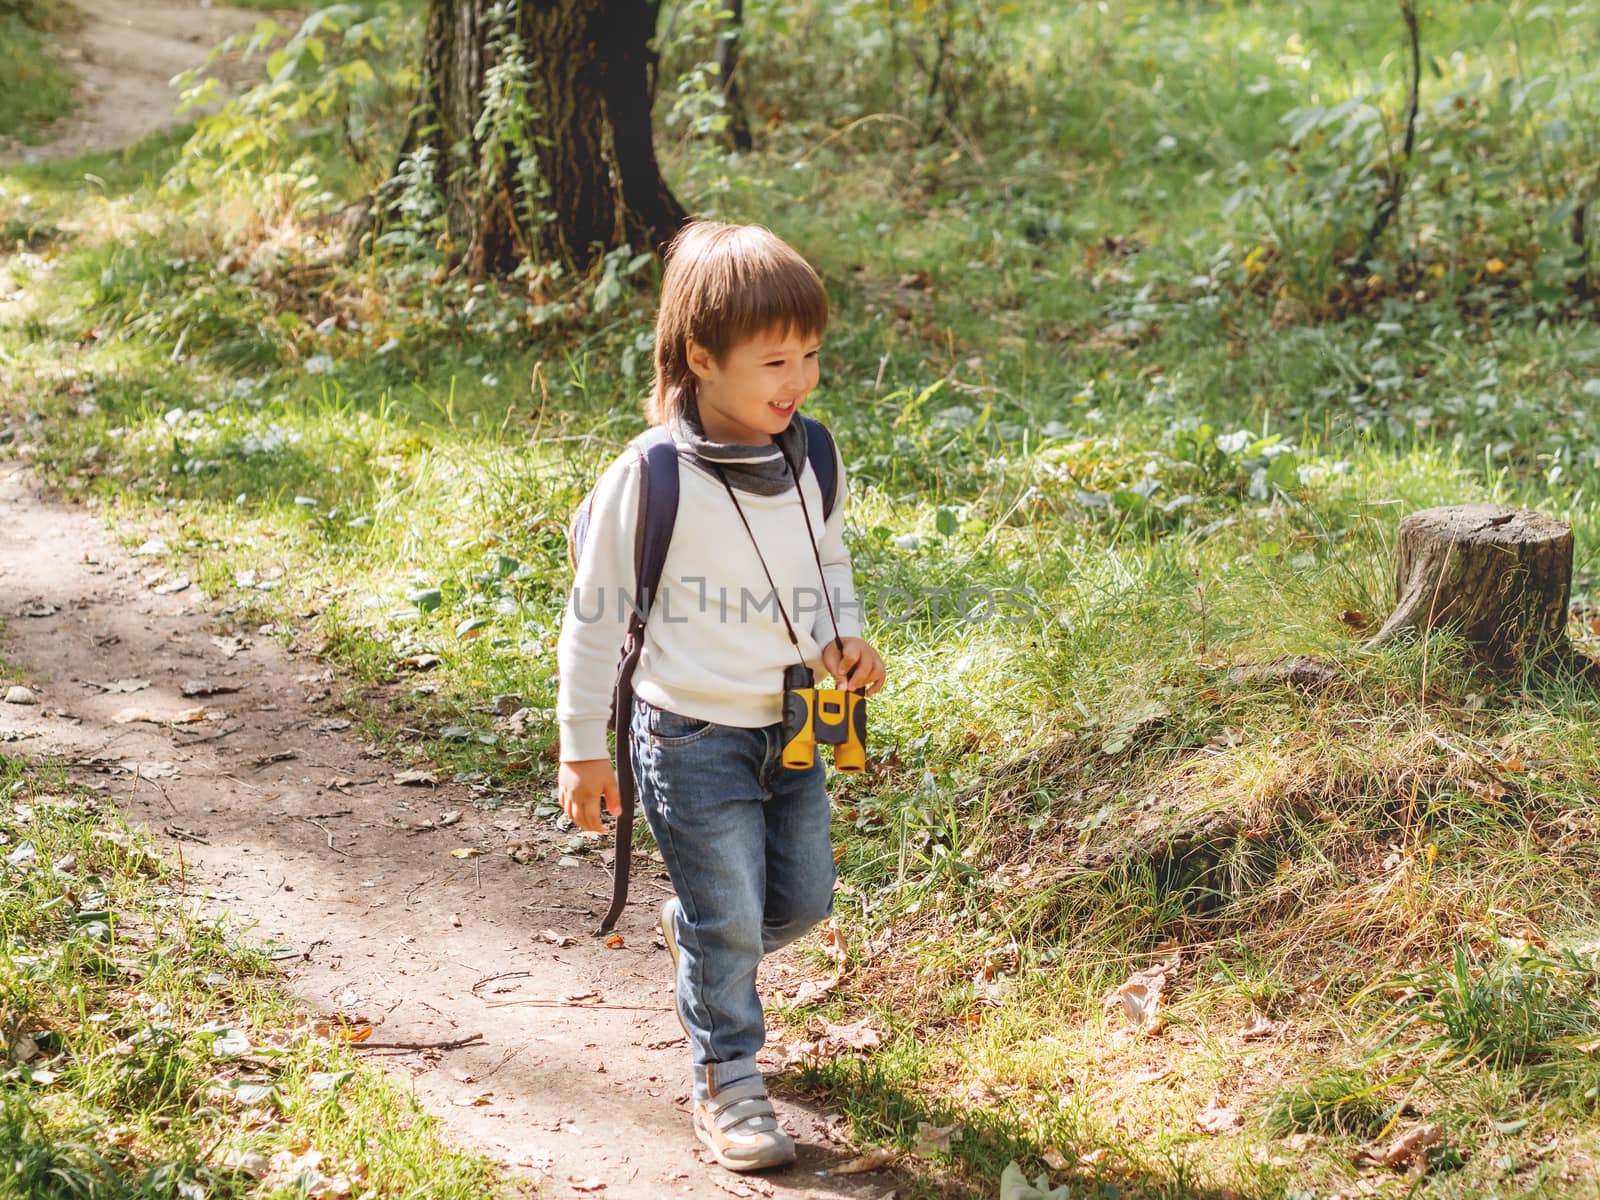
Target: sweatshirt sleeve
[
  {"x": 595, "y": 623},
  {"x": 837, "y": 572}
]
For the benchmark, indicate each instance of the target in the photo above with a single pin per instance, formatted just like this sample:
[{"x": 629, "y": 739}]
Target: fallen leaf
[
  {"x": 580, "y": 1184},
  {"x": 557, "y": 939},
  {"x": 873, "y": 1160},
  {"x": 416, "y": 779},
  {"x": 932, "y": 1139},
  {"x": 1054, "y": 1159},
  {"x": 230, "y": 646},
  {"x": 1140, "y": 993},
  {"x": 814, "y": 989},
  {"x": 474, "y": 1101},
  {"x": 837, "y": 949},
  {"x": 1214, "y": 1118},
  {"x": 452, "y": 817},
  {"x": 466, "y": 852},
  {"x": 331, "y": 725},
  {"x": 1261, "y": 1027},
  {"x": 181, "y": 583},
  {"x": 1411, "y": 1145},
  {"x": 128, "y": 716},
  {"x": 189, "y": 716},
  {"x": 245, "y": 1162},
  {"x": 615, "y": 942},
  {"x": 199, "y": 687},
  {"x": 857, "y": 1036}
]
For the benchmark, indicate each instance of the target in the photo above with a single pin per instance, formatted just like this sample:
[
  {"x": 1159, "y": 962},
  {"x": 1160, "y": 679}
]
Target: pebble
[{"x": 21, "y": 695}]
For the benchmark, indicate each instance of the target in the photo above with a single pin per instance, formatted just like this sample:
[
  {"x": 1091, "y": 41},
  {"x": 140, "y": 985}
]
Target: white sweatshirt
[{"x": 715, "y": 647}]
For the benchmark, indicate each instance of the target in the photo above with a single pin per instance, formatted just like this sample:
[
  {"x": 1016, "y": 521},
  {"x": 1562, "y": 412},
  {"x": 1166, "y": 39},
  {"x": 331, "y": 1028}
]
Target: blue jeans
[{"x": 745, "y": 840}]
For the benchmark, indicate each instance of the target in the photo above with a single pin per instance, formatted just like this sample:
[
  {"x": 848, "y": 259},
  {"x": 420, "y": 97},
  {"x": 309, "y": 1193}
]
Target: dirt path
[
  {"x": 288, "y": 822},
  {"x": 125, "y": 55},
  {"x": 285, "y": 819}
]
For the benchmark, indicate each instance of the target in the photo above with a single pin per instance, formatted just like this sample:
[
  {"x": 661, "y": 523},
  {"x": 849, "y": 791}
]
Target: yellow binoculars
[{"x": 830, "y": 716}]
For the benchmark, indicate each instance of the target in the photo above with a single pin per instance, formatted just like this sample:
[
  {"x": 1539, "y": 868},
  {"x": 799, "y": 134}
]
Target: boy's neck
[{"x": 719, "y": 430}]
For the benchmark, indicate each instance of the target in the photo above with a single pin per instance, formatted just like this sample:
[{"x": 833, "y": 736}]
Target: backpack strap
[
  {"x": 824, "y": 461},
  {"x": 658, "y": 512}
]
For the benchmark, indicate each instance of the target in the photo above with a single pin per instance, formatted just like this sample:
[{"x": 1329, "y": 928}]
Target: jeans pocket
[{"x": 674, "y": 729}]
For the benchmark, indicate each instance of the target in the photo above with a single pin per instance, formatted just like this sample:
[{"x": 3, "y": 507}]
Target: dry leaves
[
  {"x": 1215, "y": 1118},
  {"x": 230, "y": 646},
  {"x": 194, "y": 688},
  {"x": 1140, "y": 994},
  {"x": 745, "y": 1188},
  {"x": 1259, "y": 1028},
  {"x": 873, "y": 1160},
  {"x": 416, "y": 779},
  {"x": 828, "y": 1045},
  {"x": 286, "y": 1169},
  {"x": 187, "y": 716},
  {"x": 932, "y": 1139},
  {"x": 1411, "y": 1146},
  {"x": 1218, "y": 1119},
  {"x": 557, "y": 939}
]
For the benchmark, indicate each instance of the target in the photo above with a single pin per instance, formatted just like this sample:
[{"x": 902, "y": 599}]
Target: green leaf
[
  {"x": 427, "y": 599},
  {"x": 1284, "y": 471}
]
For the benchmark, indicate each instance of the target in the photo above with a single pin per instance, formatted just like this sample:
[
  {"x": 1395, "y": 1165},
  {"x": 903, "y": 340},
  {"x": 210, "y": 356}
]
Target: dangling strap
[
  {"x": 658, "y": 512},
  {"x": 815, "y": 553}
]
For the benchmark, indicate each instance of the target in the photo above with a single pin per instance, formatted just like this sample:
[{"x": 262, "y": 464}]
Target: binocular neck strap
[{"x": 777, "y": 599}]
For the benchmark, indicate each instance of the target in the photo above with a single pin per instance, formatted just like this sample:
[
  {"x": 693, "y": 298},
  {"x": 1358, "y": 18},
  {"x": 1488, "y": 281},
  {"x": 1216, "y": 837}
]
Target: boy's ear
[{"x": 699, "y": 358}]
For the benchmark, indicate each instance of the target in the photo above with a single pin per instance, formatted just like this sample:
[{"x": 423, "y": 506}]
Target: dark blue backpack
[{"x": 658, "y": 513}]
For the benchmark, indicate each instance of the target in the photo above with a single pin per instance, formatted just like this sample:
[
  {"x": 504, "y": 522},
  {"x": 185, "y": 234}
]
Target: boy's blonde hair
[{"x": 723, "y": 284}]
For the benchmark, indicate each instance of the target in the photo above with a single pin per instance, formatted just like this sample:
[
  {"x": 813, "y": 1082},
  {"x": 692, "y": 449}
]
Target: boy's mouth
[{"x": 781, "y": 409}]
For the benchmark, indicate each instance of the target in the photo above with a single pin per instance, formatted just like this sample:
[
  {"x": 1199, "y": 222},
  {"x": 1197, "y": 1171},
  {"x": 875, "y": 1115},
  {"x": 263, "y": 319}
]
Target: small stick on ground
[{"x": 452, "y": 1045}]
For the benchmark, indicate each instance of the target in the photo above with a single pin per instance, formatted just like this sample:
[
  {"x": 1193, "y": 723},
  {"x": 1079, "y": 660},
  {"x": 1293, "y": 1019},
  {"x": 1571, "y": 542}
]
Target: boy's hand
[
  {"x": 857, "y": 665},
  {"x": 583, "y": 784}
]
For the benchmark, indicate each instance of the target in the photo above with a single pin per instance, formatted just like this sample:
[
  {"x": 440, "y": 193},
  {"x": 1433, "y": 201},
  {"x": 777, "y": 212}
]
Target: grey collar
[{"x": 750, "y": 467}]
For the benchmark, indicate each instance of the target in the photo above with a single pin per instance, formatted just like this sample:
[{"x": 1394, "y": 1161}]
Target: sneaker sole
[{"x": 777, "y": 1156}]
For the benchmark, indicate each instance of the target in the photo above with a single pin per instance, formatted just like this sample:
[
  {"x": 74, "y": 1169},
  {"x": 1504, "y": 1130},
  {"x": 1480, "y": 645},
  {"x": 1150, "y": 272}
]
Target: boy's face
[{"x": 752, "y": 394}]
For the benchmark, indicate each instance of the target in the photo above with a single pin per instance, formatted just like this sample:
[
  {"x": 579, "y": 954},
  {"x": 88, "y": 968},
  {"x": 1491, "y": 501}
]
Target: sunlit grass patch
[{"x": 149, "y": 1050}]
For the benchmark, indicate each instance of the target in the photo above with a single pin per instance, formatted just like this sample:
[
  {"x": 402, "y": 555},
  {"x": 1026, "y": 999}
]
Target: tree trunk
[
  {"x": 570, "y": 134},
  {"x": 1501, "y": 577},
  {"x": 728, "y": 34}
]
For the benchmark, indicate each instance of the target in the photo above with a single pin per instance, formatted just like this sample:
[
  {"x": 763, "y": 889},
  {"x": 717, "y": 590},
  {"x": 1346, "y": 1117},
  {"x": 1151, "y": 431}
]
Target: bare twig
[{"x": 451, "y": 1045}]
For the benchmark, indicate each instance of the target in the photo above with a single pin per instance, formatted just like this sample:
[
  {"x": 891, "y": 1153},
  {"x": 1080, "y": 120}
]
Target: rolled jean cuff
[{"x": 722, "y": 1074}]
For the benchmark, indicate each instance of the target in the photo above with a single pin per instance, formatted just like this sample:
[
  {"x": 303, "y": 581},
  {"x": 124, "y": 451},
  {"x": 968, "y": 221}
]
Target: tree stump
[{"x": 1500, "y": 577}]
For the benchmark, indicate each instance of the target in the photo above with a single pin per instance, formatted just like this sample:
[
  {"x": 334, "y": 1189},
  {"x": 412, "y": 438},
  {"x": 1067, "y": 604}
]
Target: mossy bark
[{"x": 589, "y": 85}]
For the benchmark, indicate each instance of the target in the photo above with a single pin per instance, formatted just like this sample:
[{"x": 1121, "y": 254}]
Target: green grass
[
  {"x": 1061, "y": 362},
  {"x": 151, "y": 1050},
  {"x": 38, "y": 86}
]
